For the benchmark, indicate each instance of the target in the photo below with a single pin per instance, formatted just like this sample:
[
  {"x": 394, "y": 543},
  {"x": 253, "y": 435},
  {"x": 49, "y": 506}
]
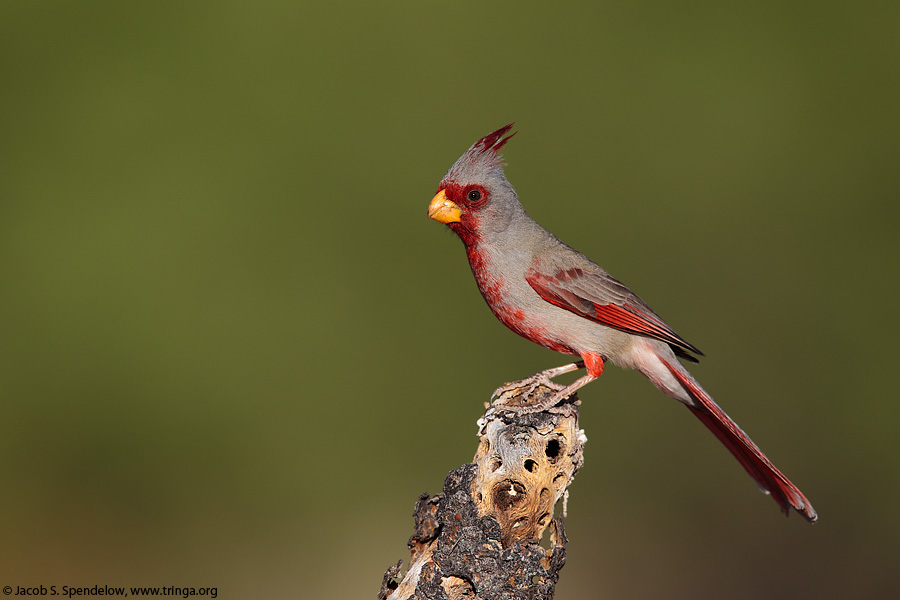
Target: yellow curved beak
[{"x": 443, "y": 210}]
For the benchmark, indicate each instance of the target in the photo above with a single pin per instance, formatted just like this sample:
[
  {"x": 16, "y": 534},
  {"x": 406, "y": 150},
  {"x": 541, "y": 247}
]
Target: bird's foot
[
  {"x": 545, "y": 378},
  {"x": 533, "y": 395},
  {"x": 529, "y": 384},
  {"x": 511, "y": 396}
]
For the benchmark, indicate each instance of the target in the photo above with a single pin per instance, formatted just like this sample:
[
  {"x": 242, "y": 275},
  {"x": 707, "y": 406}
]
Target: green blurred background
[{"x": 235, "y": 350}]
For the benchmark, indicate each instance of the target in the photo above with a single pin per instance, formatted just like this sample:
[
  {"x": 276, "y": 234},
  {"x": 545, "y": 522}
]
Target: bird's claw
[{"x": 532, "y": 383}]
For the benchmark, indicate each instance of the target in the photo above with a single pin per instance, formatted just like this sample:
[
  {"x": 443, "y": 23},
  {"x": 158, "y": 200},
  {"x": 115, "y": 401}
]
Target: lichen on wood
[{"x": 481, "y": 536}]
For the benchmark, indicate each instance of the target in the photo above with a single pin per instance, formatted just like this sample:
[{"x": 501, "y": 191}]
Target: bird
[{"x": 555, "y": 296}]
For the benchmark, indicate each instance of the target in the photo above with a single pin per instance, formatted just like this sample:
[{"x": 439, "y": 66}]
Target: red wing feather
[{"x": 602, "y": 298}]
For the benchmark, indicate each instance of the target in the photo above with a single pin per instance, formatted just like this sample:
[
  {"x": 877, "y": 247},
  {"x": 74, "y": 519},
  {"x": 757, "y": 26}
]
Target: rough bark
[{"x": 481, "y": 536}]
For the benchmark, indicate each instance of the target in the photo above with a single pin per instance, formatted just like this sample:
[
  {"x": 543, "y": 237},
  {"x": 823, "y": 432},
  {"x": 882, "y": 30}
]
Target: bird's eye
[{"x": 474, "y": 196}]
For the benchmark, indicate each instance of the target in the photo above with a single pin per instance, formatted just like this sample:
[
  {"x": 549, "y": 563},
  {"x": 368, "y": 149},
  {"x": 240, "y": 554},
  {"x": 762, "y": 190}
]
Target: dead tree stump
[{"x": 480, "y": 538}]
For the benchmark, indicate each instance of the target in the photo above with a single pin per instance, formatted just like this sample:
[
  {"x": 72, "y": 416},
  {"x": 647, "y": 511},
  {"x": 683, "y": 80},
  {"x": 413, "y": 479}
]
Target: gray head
[{"x": 474, "y": 198}]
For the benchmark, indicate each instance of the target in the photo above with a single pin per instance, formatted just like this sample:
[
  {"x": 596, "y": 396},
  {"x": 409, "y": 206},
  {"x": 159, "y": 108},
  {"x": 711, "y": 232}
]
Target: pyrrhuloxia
[{"x": 555, "y": 296}]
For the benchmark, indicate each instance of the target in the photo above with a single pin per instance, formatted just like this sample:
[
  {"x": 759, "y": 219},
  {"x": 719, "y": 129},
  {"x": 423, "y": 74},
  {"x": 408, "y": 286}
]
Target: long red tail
[{"x": 767, "y": 476}]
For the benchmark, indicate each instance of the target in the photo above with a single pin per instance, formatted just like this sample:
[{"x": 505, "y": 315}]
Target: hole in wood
[
  {"x": 553, "y": 450},
  {"x": 545, "y": 541},
  {"x": 530, "y": 465},
  {"x": 507, "y": 493},
  {"x": 496, "y": 463}
]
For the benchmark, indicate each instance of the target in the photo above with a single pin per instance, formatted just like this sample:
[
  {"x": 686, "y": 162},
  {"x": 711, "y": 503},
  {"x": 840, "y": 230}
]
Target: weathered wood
[{"x": 480, "y": 538}]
